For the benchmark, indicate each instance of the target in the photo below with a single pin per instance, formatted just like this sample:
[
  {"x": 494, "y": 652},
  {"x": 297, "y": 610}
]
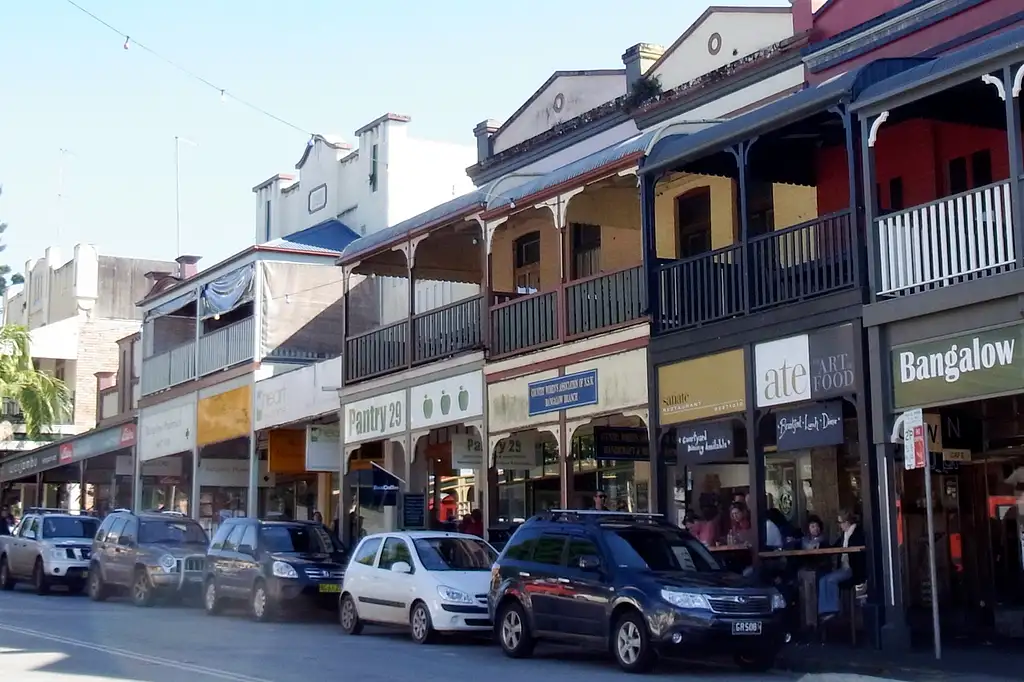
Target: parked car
[
  {"x": 273, "y": 566},
  {"x": 425, "y": 581},
  {"x": 52, "y": 547},
  {"x": 151, "y": 555},
  {"x": 631, "y": 583}
]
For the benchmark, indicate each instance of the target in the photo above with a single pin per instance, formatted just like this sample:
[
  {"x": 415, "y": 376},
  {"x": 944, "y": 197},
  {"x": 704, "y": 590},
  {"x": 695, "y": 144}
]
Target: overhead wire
[{"x": 223, "y": 92}]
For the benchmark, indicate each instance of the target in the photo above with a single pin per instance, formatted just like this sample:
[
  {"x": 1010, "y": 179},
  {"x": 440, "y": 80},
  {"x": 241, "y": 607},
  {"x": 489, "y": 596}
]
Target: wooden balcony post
[
  {"x": 869, "y": 135},
  {"x": 1013, "y": 139},
  {"x": 741, "y": 153}
]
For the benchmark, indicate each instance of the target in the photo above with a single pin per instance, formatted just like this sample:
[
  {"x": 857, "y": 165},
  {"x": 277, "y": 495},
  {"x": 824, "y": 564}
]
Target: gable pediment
[
  {"x": 562, "y": 97},
  {"x": 720, "y": 36}
]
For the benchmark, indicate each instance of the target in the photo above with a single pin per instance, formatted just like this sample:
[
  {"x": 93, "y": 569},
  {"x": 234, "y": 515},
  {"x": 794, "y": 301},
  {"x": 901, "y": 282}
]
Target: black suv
[
  {"x": 271, "y": 565},
  {"x": 631, "y": 583}
]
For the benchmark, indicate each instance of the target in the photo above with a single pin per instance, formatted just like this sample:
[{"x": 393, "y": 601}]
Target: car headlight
[
  {"x": 58, "y": 554},
  {"x": 778, "y": 602},
  {"x": 282, "y": 569},
  {"x": 686, "y": 600},
  {"x": 451, "y": 594},
  {"x": 168, "y": 563}
]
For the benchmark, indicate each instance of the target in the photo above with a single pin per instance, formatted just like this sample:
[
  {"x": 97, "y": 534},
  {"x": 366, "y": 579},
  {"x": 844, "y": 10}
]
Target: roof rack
[
  {"x": 598, "y": 516},
  {"x": 42, "y": 511}
]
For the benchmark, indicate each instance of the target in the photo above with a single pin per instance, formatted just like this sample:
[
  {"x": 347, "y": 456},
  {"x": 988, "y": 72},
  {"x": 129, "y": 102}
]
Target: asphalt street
[{"x": 60, "y": 638}]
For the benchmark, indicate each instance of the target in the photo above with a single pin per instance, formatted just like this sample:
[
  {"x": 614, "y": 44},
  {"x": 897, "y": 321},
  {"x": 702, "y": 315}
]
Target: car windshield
[
  {"x": 171, "y": 533},
  {"x": 63, "y": 527},
  {"x": 296, "y": 539},
  {"x": 660, "y": 549},
  {"x": 454, "y": 554}
]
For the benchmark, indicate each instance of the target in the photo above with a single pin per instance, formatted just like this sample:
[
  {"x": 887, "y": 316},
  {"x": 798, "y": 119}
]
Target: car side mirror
[
  {"x": 30, "y": 535},
  {"x": 589, "y": 563},
  {"x": 401, "y": 567},
  {"x": 124, "y": 541},
  {"x": 247, "y": 549}
]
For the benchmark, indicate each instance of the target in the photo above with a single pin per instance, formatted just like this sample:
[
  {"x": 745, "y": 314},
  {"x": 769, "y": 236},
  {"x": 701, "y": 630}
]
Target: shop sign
[
  {"x": 806, "y": 367},
  {"x": 323, "y": 447},
  {"x": 231, "y": 473},
  {"x": 97, "y": 443},
  {"x": 622, "y": 443},
  {"x": 297, "y": 395},
  {"x": 963, "y": 367},
  {"x": 563, "y": 393},
  {"x": 455, "y": 399},
  {"x": 163, "y": 467},
  {"x": 707, "y": 387},
  {"x": 30, "y": 464},
  {"x": 167, "y": 429},
  {"x": 467, "y": 451},
  {"x": 374, "y": 418},
  {"x": 414, "y": 511},
  {"x": 705, "y": 442},
  {"x": 518, "y": 451},
  {"x": 813, "y": 426},
  {"x": 286, "y": 451},
  {"x": 378, "y": 488},
  {"x": 224, "y": 416}
]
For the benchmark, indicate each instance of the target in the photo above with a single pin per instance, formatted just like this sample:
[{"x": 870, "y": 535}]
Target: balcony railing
[
  {"x": 434, "y": 335},
  {"x": 228, "y": 346},
  {"x": 952, "y": 240},
  {"x": 223, "y": 348},
  {"x": 574, "y": 310},
  {"x": 797, "y": 263}
]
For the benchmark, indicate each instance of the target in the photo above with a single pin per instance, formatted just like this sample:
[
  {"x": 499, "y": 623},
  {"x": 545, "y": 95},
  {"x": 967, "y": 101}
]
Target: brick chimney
[
  {"x": 638, "y": 60},
  {"x": 187, "y": 266},
  {"x": 483, "y": 132}
]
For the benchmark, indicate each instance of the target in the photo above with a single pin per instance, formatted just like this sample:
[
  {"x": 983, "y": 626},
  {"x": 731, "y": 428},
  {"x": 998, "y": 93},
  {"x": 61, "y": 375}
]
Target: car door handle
[
  {"x": 524, "y": 574},
  {"x": 564, "y": 580}
]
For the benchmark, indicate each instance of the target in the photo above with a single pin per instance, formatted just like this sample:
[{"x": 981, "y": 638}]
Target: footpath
[{"x": 978, "y": 664}]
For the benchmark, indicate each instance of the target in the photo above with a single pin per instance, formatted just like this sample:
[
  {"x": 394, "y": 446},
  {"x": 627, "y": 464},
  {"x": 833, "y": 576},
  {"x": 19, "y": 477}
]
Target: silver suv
[
  {"x": 150, "y": 555},
  {"x": 51, "y": 547}
]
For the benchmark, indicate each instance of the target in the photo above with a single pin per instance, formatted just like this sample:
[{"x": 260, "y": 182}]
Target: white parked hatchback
[{"x": 428, "y": 581}]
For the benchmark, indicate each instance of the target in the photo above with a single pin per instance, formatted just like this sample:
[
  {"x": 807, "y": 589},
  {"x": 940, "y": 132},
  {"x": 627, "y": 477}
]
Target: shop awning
[
  {"x": 676, "y": 146},
  {"x": 68, "y": 451},
  {"x": 973, "y": 60},
  {"x": 57, "y": 341}
]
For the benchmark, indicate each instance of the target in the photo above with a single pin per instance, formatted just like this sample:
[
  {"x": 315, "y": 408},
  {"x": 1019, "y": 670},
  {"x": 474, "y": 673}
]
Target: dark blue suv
[{"x": 632, "y": 584}]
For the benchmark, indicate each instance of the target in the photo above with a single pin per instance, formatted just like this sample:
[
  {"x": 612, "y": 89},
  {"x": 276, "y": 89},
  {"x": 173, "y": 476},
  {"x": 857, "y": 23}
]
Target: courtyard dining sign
[{"x": 965, "y": 367}]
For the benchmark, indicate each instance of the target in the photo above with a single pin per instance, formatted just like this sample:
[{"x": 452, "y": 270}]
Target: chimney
[
  {"x": 803, "y": 15},
  {"x": 105, "y": 380},
  {"x": 638, "y": 59},
  {"x": 187, "y": 266},
  {"x": 484, "y": 132}
]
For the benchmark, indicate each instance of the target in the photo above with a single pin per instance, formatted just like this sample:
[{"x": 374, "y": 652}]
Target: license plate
[
  {"x": 330, "y": 588},
  {"x": 746, "y": 627}
]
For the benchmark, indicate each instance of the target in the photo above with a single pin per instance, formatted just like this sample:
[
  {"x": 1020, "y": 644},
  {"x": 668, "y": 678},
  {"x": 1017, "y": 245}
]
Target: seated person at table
[
  {"x": 706, "y": 529},
  {"x": 851, "y": 566},
  {"x": 739, "y": 525},
  {"x": 815, "y": 537},
  {"x": 776, "y": 530}
]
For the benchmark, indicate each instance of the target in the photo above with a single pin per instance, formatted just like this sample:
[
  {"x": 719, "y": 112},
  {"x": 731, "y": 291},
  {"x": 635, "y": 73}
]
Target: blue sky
[{"x": 326, "y": 66}]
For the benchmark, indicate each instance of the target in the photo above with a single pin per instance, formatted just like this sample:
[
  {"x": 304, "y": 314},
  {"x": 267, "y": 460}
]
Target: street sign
[{"x": 915, "y": 445}]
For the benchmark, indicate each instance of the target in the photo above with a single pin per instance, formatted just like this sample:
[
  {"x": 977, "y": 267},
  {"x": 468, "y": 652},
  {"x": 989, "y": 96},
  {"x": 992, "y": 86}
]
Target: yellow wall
[
  {"x": 794, "y": 204},
  {"x": 616, "y": 210}
]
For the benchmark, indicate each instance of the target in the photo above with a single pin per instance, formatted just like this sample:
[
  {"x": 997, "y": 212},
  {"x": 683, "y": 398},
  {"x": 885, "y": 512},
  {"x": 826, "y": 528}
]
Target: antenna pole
[{"x": 177, "y": 200}]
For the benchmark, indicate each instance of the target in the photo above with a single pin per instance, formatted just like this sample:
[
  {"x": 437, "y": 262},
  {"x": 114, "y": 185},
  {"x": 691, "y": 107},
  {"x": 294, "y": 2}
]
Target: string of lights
[{"x": 130, "y": 42}]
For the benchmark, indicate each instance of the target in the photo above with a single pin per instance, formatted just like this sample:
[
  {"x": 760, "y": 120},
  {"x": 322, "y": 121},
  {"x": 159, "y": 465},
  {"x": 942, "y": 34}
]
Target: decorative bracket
[
  {"x": 997, "y": 83},
  {"x": 875, "y": 125}
]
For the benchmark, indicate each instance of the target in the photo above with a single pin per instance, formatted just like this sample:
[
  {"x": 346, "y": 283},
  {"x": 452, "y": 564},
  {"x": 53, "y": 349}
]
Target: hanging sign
[
  {"x": 616, "y": 443},
  {"x": 812, "y": 426},
  {"x": 467, "y": 451},
  {"x": 704, "y": 442},
  {"x": 518, "y": 451}
]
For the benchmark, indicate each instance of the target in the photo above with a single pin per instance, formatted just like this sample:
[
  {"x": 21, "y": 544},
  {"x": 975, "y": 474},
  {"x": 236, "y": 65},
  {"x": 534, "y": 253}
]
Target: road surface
[{"x": 60, "y": 638}]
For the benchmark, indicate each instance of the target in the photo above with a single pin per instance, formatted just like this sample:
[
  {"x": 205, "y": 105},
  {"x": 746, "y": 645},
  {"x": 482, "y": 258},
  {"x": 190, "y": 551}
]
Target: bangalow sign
[{"x": 963, "y": 367}]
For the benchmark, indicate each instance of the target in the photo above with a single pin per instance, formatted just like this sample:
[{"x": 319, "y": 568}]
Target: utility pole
[{"x": 177, "y": 191}]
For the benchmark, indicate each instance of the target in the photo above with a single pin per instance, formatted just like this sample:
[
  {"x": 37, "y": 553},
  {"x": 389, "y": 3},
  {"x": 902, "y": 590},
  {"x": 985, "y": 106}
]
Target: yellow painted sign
[{"x": 224, "y": 416}]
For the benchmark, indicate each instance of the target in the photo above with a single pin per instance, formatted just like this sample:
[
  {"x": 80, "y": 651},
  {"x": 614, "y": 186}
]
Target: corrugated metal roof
[
  {"x": 677, "y": 149},
  {"x": 396, "y": 233},
  {"x": 996, "y": 47},
  {"x": 329, "y": 238},
  {"x": 578, "y": 168}
]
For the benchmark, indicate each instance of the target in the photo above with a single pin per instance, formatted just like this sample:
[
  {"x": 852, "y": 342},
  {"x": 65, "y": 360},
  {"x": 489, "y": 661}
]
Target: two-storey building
[{"x": 764, "y": 359}]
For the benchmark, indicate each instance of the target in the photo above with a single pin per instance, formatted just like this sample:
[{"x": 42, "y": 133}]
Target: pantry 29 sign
[{"x": 962, "y": 367}]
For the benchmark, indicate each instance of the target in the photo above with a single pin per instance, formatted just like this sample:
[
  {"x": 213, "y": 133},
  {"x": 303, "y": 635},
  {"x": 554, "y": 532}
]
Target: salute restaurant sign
[
  {"x": 811, "y": 366},
  {"x": 962, "y": 367}
]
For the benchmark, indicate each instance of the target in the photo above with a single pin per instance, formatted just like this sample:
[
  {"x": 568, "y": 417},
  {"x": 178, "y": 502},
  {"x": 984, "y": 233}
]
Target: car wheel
[
  {"x": 420, "y": 624},
  {"x": 260, "y": 605},
  {"x": 755, "y": 662},
  {"x": 142, "y": 589},
  {"x": 631, "y": 644},
  {"x": 514, "y": 632},
  {"x": 349, "y": 617},
  {"x": 97, "y": 590},
  {"x": 211, "y": 602},
  {"x": 39, "y": 581},
  {"x": 6, "y": 581}
]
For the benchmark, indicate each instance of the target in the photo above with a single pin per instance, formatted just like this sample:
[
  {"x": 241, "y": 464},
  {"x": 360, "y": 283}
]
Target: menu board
[{"x": 414, "y": 511}]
